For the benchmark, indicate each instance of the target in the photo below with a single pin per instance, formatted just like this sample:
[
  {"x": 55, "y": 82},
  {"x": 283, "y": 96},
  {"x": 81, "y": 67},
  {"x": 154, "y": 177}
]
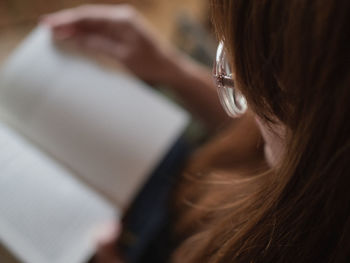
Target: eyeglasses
[{"x": 233, "y": 101}]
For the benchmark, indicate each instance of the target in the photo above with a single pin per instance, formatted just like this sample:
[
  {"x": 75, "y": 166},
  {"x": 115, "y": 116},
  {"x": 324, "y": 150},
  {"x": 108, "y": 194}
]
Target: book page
[
  {"x": 46, "y": 214},
  {"x": 108, "y": 127}
]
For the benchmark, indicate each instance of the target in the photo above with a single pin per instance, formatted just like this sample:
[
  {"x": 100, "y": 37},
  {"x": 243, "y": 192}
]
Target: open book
[{"x": 77, "y": 142}]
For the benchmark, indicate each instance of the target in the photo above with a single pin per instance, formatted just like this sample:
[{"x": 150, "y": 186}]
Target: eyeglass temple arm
[{"x": 225, "y": 81}]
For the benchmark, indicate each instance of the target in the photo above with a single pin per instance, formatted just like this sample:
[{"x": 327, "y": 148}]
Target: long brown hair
[{"x": 291, "y": 61}]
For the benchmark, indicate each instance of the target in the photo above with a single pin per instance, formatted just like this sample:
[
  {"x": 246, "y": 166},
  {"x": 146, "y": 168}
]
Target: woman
[{"x": 281, "y": 197}]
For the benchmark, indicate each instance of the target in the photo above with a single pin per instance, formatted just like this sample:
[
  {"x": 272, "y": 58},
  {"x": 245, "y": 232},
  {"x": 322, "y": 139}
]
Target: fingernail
[{"x": 63, "y": 33}]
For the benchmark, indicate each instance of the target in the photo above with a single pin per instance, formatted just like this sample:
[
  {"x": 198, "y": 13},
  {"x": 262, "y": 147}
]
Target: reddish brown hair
[{"x": 291, "y": 61}]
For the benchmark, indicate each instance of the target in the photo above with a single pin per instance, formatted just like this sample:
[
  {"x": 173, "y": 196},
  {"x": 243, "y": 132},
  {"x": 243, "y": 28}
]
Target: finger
[
  {"x": 107, "y": 259},
  {"x": 64, "y": 33},
  {"x": 62, "y": 18},
  {"x": 74, "y": 15},
  {"x": 98, "y": 43},
  {"x": 103, "y": 257},
  {"x": 107, "y": 249},
  {"x": 111, "y": 21},
  {"x": 109, "y": 235},
  {"x": 88, "y": 14}
]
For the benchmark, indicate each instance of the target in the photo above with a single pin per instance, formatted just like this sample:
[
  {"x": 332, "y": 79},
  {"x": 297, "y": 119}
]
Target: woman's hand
[
  {"x": 106, "y": 251},
  {"x": 117, "y": 31},
  {"x": 120, "y": 32}
]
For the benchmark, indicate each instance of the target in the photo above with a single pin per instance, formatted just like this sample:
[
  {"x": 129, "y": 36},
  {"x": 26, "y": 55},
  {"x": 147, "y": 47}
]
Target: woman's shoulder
[{"x": 238, "y": 144}]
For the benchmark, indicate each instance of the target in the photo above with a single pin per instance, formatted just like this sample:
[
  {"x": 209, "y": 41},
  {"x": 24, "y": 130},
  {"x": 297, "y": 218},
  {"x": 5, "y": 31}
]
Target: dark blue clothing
[{"x": 147, "y": 224}]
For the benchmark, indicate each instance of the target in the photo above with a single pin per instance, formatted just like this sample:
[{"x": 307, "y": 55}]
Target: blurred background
[{"x": 183, "y": 22}]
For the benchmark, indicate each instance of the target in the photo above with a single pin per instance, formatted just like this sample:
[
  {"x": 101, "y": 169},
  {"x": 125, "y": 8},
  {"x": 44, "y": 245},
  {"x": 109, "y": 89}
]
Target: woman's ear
[{"x": 274, "y": 136}]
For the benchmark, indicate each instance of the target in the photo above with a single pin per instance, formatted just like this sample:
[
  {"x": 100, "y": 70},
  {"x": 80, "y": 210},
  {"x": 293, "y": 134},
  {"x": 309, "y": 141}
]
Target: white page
[
  {"x": 46, "y": 215},
  {"x": 109, "y": 128}
]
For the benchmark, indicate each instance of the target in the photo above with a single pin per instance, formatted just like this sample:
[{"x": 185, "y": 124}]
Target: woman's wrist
[
  {"x": 182, "y": 71},
  {"x": 194, "y": 85}
]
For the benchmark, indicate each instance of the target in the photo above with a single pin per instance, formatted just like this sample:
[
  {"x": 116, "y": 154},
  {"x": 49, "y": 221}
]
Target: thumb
[
  {"x": 107, "y": 244},
  {"x": 101, "y": 44}
]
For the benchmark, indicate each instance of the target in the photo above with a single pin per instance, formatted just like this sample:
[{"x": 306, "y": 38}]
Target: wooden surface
[{"x": 17, "y": 20}]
